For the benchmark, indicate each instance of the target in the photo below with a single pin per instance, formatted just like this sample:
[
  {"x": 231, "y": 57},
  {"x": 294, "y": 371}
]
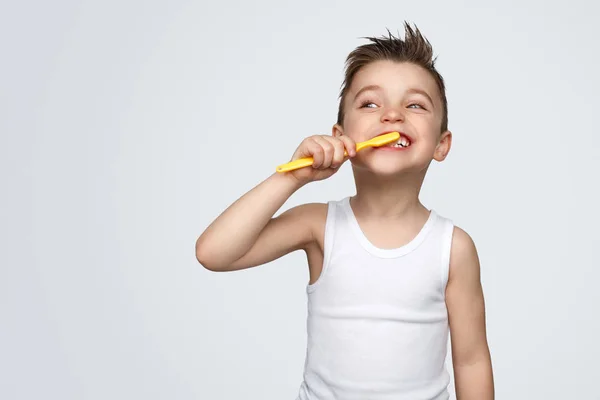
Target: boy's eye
[
  {"x": 417, "y": 105},
  {"x": 367, "y": 103}
]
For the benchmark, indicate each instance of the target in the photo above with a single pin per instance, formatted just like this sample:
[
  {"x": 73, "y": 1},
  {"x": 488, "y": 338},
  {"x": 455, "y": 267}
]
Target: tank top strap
[{"x": 446, "y": 227}]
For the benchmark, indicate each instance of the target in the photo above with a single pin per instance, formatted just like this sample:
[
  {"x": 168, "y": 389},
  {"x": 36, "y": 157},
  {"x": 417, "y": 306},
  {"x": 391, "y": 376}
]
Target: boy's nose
[{"x": 392, "y": 114}]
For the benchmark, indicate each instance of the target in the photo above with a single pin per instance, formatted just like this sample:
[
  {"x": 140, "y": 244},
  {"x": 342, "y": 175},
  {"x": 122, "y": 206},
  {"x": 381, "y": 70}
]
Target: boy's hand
[{"x": 327, "y": 153}]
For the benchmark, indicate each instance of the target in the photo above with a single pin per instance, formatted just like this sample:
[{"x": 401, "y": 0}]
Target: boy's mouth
[{"x": 403, "y": 142}]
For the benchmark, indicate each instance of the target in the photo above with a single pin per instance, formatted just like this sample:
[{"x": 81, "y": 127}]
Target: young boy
[{"x": 389, "y": 279}]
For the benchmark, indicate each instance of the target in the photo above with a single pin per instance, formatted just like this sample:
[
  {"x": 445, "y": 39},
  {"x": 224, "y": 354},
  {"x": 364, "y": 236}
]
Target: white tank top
[{"x": 377, "y": 321}]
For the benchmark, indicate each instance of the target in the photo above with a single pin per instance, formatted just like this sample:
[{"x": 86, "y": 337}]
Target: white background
[{"x": 128, "y": 126}]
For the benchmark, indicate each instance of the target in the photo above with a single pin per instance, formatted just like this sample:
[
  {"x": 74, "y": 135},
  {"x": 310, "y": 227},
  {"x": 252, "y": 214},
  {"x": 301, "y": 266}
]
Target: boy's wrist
[{"x": 289, "y": 180}]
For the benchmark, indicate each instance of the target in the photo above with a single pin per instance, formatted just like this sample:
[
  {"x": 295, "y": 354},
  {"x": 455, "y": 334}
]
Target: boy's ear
[
  {"x": 443, "y": 147},
  {"x": 337, "y": 130}
]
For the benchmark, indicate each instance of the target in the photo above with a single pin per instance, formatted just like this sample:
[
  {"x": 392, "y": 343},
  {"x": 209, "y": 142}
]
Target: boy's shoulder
[
  {"x": 309, "y": 209},
  {"x": 464, "y": 259},
  {"x": 316, "y": 213},
  {"x": 308, "y": 220},
  {"x": 462, "y": 243},
  {"x": 309, "y": 213}
]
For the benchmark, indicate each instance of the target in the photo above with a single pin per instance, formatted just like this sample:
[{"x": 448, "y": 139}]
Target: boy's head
[
  {"x": 414, "y": 49},
  {"x": 392, "y": 84}
]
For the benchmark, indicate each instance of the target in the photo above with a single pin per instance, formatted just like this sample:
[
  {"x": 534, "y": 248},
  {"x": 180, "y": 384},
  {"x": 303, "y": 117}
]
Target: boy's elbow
[
  {"x": 205, "y": 259},
  {"x": 208, "y": 264}
]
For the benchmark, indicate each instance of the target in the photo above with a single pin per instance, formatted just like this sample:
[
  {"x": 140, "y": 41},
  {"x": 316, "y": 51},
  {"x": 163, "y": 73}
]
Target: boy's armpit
[
  {"x": 317, "y": 217},
  {"x": 307, "y": 223}
]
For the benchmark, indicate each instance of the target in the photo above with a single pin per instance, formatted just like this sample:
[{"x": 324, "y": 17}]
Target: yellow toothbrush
[{"x": 377, "y": 141}]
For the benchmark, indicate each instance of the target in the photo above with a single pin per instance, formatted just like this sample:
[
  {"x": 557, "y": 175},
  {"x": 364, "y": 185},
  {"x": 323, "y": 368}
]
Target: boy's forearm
[
  {"x": 234, "y": 232},
  {"x": 474, "y": 381}
]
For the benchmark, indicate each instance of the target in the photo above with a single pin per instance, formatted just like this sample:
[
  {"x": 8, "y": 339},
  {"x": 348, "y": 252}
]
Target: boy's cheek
[{"x": 358, "y": 133}]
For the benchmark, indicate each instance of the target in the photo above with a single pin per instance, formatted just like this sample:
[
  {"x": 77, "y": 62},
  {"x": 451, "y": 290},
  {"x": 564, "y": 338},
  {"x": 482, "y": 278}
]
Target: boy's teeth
[{"x": 403, "y": 142}]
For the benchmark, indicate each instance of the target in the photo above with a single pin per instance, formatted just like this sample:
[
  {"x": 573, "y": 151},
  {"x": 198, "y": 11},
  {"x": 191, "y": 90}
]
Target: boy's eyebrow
[
  {"x": 411, "y": 90},
  {"x": 421, "y": 92},
  {"x": 364, "y": 89}
]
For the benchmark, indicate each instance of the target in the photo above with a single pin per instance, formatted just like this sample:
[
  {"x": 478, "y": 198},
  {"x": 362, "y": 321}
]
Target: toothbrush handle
[
  {"x": 299, "y": 163},
  {"x": 296, "y": 164},
  {"x": 308, "y": 161}
]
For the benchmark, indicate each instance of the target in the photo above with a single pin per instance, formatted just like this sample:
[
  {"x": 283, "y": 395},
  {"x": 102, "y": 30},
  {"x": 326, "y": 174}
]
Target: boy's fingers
[
  {"x": 338, "y": 151},
  {"x": 316, "y": 151},
  {"x": 338, "y": 156},
  {"x": 350, "y": 145},
  {"x": 328, "y": 151}
]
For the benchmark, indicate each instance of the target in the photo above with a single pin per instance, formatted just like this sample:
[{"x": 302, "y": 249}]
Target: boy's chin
[
  {"x": 390, "y": 164},
  {"x": 387, "y": 169}
]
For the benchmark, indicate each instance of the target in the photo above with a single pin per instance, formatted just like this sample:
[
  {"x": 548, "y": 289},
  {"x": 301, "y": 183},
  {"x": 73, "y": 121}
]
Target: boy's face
[{"x": 389, "y": 96}]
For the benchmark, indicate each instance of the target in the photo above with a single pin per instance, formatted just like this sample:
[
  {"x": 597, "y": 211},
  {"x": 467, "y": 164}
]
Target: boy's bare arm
[
  {"x": 471, "y": 359},
  {"x": 247, "y": 235}
]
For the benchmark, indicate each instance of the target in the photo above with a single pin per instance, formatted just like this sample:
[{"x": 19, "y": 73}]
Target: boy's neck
[{"x": 388, "y": 197}]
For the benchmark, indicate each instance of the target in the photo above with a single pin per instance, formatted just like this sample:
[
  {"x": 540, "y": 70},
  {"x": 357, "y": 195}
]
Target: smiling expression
[{"x": 390, "y": 96}]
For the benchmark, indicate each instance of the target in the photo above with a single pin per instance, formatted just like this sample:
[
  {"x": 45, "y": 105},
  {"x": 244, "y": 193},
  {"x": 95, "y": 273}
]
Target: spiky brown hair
[{"x": 415, "y": 49}]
